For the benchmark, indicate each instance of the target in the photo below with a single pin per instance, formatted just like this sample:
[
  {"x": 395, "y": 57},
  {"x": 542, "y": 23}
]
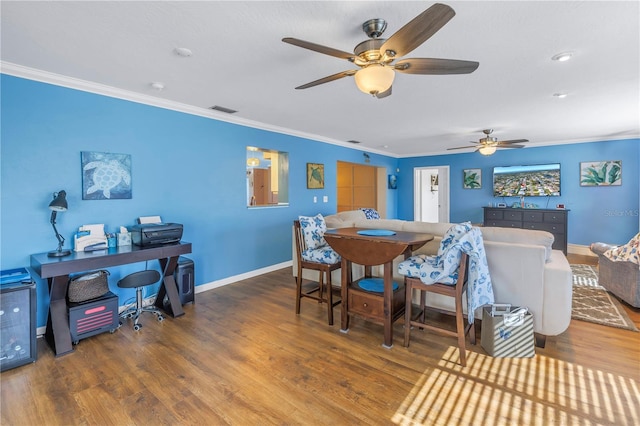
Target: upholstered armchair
[{"x": 619, "y": 271}]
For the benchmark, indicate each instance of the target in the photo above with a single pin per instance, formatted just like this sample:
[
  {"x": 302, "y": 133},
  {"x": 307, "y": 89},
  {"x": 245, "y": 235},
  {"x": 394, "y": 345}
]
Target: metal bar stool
[{"x": 138, "y": 280}]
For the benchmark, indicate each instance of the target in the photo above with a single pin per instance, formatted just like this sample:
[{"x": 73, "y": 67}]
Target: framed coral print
[
  {"x": 601, "y": 173},
  {"x": 472, "y": 179},
  {"x": 105, "y": 176},
  {"x": 315, "y": 176}
]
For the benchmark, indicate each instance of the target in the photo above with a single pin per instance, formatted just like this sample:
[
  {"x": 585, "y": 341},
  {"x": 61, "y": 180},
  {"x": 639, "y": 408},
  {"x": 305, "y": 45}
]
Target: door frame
[{"x": 443, "y": 192}]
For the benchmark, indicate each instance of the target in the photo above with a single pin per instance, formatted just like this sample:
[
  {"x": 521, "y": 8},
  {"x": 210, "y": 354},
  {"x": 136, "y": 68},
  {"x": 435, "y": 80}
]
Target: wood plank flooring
[{"x": 241, "y": 356}]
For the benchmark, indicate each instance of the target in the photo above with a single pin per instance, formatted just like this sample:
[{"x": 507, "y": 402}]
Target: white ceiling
[{"x": 240, "y": 62}]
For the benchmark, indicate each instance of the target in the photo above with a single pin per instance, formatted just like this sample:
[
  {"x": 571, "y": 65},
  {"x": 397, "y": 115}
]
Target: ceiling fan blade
[
  {"x": 319, "y": 48},
  {"x": 514, "y": 141},
  {"x": 385, "y": 93},
  {"x": 461, "y": 147},
  {"x": 327, "y": 79},
  {"x": 510, "y": 146},
  {"x": 418, "y": 30},
  {"x": 435, "y": 66}
]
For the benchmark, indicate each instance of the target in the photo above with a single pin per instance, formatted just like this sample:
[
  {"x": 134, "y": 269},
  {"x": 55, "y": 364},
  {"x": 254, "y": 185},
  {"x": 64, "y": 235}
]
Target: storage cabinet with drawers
[
  {"x": 371, "y": 304},
  {"x": 550, "y": 220}
]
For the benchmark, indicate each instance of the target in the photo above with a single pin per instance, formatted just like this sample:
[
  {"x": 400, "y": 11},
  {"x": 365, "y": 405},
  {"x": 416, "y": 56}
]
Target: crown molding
[{"x": 28, "y": 73}]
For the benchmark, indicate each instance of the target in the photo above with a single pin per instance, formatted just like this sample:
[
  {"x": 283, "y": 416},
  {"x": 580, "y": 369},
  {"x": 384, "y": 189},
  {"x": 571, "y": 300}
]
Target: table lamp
[{"x": 59, "y": 204}]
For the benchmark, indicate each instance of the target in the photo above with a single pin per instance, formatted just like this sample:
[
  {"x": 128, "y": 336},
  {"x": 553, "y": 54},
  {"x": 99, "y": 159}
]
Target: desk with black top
[{"x": 57, "y": 269}]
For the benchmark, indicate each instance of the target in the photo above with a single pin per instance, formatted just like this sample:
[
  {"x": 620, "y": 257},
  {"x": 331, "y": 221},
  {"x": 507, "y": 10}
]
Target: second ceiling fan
[
  {"x": 376, "y": 56},
  {"x": 489, "y": 144}
]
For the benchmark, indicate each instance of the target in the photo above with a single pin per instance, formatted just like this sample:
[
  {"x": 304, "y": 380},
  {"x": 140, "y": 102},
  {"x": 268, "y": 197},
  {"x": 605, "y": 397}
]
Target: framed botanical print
[
  {"x": 601, "y": 173},
  {"x": 472, "y": 178}
]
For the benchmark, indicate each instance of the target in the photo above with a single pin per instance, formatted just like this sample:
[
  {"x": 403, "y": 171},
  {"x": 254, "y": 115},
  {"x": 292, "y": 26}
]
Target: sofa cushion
[
  {"x": 392, "y": 224},
  {"x": 344, "y": 219},
  {"x": 313, "y": 230},
  {"x": 437, "y": 229},
  {"x": 520, "y": 236}
]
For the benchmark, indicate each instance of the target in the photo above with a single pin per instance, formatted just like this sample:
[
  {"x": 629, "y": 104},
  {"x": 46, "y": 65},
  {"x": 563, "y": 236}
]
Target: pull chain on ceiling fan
[{"x": 376, "y": 56}]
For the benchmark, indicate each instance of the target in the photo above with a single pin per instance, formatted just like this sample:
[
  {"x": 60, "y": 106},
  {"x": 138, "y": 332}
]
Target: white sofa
[{"x": 524, "y": 269}]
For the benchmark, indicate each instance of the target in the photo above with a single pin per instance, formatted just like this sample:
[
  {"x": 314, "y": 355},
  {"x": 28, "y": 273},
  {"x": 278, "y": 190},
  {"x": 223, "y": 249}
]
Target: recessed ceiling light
[
  {"x": 157, "y": 85},
  {"x": 562, "y": 57},
  {"x": 183, "y": 51},
  {"x": 560, "y": 95}
]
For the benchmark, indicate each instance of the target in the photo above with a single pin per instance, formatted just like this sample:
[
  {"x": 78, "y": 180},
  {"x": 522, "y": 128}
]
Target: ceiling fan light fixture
[
  {"x": 562, "y": 57},
  {"x": 375, "y": 78},
  {"x": 487, "y": 150}
]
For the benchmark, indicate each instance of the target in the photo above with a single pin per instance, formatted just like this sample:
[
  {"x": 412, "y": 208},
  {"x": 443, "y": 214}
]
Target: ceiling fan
[
  {"x": 376, "y": 56},
  {"x": 489, "y": 144}
]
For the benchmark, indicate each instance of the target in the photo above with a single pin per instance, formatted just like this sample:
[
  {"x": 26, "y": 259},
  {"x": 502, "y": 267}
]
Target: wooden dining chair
[
  {"x": 456, "y": 291},
  {"x": 323, "y": 292}
]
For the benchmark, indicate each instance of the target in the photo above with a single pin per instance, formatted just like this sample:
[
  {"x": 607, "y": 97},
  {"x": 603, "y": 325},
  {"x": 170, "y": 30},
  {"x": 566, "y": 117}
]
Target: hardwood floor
[{"x": 241, "y": 356}]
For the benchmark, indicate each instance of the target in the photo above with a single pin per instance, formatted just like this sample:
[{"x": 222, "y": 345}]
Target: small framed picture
[
  {"x": 601, "y": 173},
  {"x": 472, "y": 178},
  {"x": 393, "y": 182},
  {"x": 315, "y": 175}
]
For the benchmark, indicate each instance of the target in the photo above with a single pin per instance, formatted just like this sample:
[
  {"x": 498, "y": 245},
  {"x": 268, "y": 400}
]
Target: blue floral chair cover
[
  {"x": 317, "y": 248},
  {"x": 443, "y": 268}
]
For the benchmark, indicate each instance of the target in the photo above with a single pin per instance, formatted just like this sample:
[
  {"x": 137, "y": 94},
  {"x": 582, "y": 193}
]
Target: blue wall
[
  {"x": 190, "y": 169},
  {"x": 185, "y": 168},
  {"x": 597, "y": 213}
]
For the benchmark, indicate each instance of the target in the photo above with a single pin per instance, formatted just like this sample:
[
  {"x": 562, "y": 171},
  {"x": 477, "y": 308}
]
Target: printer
[{"x": 151, "y": 234}]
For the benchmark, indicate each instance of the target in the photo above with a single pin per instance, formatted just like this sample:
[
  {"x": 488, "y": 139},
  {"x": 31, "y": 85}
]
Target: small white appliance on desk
[{"x": 90, "y": 238}]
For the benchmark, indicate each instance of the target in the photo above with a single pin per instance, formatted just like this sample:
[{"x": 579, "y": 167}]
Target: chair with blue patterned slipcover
[
  {"x": 314, "y": 253},
  {"x": 460, "y": 266},
  {"x": 456, "y": 291}
]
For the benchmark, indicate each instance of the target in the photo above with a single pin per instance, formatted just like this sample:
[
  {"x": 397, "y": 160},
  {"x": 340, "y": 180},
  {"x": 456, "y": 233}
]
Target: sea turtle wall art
[
  {"x": 106, "y": 176},
  {"x": 315, "y": 176}
]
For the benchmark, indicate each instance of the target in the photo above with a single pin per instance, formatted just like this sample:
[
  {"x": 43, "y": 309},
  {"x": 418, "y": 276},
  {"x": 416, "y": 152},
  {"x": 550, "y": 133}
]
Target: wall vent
[{"x": 223, "y": 109}]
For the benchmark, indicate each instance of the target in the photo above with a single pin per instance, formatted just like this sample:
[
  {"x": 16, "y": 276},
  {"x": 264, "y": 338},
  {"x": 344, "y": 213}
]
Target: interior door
[
  {"x": 431, "y": 194},
  {"x": 357, "y": 186}
]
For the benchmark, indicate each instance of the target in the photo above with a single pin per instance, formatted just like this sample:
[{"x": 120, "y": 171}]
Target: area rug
[{"x": 593, "y": 303}]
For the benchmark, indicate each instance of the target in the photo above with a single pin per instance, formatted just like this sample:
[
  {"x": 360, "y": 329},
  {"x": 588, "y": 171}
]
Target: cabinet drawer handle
[{"x": 364, "y": 305}]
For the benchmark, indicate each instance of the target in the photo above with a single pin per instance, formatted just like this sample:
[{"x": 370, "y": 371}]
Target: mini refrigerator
[{"x": 17, "y": 319}]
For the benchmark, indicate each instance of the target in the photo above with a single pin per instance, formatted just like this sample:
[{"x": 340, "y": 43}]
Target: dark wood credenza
[{"x": 550, "y": 220}]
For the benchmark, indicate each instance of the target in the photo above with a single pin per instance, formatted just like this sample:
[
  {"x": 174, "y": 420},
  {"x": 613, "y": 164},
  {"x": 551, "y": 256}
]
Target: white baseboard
[
  {"x": 245, "y": 276},
  {"x": 581, "y": 250},
  {"x": 40, "y": 331}
]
